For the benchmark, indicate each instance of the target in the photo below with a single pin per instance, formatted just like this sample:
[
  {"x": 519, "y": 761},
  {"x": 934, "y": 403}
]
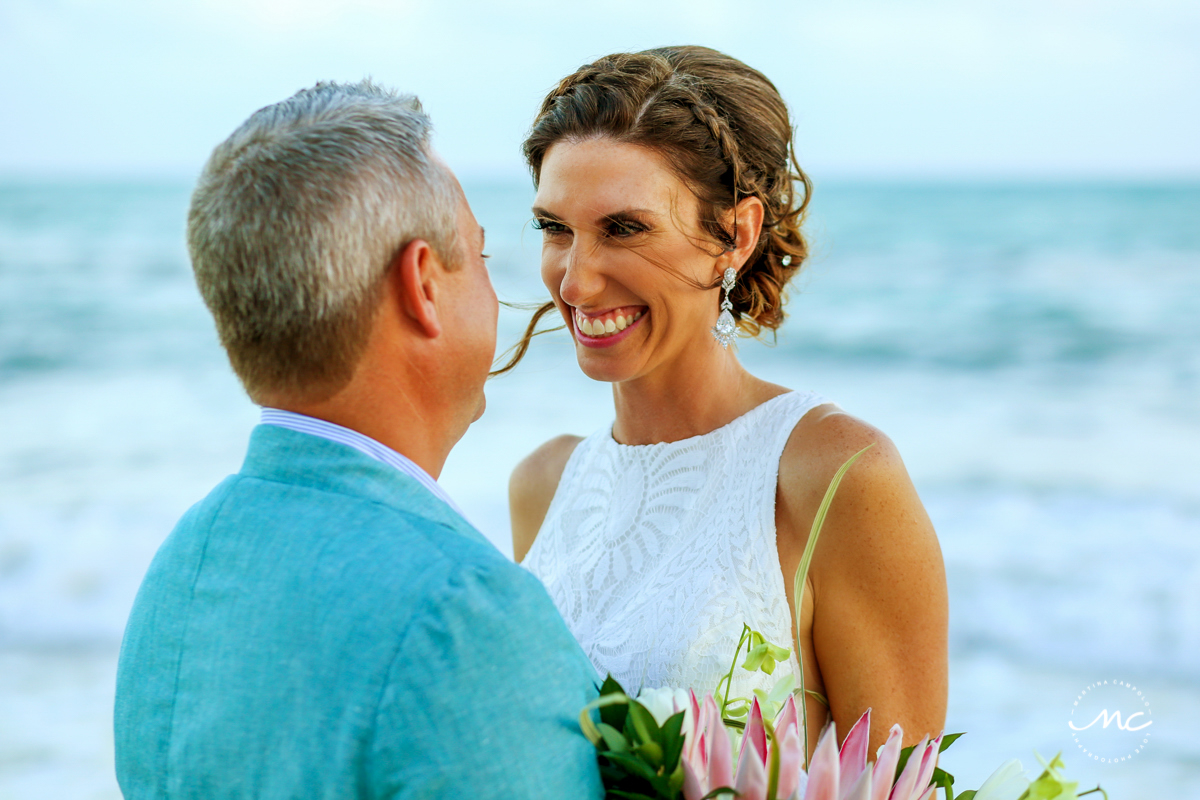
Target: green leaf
[
  {"x": 611, "y": 686},
  {"x": 675, "y": 781},
  {"x": 652, "y": 752},
  {"x": 949, "y": 739},
  {"x": 585, "y": 716},
  {"x": 904, "y": 754},
  {"x": 720, "y": 790},
  {"x": 632, "y": 764},
  {"x": 642, "y": 721},
  {"x": 782, "y": 689},
  {"x": 944, "y": 780},
  {"x": 1050, "y": 785},
  {"x": 662, "y": 784},
  {"x": 672, "y": 740},
  {"x": 613, "y": 738},
  {"x": 613, "y": 715},
  {"x": 969, "y": 794},
  {"x": 630, "y": 795}
]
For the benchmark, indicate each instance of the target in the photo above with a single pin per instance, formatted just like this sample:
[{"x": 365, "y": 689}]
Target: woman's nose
[{"x": 582, "y": 279}]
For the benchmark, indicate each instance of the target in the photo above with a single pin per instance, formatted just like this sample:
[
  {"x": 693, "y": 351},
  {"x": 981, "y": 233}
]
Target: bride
[{"x": 660, "y": 176}]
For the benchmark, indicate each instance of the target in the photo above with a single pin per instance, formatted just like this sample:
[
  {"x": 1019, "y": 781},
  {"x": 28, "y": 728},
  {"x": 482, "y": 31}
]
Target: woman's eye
[
  {"x": 548, "y": 225},
  {"x": 623, "y": 230}
]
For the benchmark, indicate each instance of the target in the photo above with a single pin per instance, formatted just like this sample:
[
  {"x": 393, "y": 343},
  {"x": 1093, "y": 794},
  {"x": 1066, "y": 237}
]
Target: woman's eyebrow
[
  {"x": 625, "y": 212},
  {"x": 630, "y": 212}
]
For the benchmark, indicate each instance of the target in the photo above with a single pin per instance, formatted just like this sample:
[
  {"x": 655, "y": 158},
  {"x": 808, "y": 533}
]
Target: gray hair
[{"x": 297, "y": 217}]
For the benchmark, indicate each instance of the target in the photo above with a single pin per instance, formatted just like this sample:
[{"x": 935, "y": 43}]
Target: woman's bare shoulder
[
  {"x": 876, "y": 499},
  {"x": 532, "y": 486},
  {"x": 827, "y": 436}
]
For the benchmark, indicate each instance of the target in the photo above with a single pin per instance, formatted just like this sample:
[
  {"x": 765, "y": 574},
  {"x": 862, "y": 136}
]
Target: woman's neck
[{"x": 681, "y": 400}]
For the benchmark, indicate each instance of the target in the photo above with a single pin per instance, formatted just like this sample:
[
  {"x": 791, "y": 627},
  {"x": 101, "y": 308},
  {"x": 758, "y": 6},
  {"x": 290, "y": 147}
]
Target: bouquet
[{"x": 667, "y": 742}]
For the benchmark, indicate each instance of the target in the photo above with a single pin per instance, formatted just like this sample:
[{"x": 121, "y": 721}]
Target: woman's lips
[{"x": 608, "y": 328}]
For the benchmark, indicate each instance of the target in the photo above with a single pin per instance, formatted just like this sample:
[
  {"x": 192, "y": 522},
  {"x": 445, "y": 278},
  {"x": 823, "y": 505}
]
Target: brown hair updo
[{"x": 723, "y": 128}]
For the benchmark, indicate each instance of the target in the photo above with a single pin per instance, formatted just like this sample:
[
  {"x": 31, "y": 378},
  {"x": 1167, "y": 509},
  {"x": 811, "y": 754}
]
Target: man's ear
[
  {"x": 415, "y": 273},
  {"x": 748, "y": 216}
]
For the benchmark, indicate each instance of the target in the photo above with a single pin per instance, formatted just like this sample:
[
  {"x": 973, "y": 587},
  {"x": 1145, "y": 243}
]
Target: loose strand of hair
[{"x": 519, "y": 349}]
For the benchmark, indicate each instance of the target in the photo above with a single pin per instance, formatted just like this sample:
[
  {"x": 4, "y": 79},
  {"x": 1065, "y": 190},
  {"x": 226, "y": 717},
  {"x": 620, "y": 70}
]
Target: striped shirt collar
[{"x": 363, "y": 444}]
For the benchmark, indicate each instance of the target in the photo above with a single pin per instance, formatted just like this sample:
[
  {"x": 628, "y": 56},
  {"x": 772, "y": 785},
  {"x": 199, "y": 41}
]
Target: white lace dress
[{"x": 656, "y": 554}]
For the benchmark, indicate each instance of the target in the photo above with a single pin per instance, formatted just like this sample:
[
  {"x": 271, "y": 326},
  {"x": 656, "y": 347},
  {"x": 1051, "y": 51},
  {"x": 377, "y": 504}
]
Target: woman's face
[{"x": 621, "y": 248}]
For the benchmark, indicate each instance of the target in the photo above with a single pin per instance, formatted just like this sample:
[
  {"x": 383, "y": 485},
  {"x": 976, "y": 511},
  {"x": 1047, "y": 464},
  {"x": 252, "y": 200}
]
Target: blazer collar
[{"x": 302, "y": 459}]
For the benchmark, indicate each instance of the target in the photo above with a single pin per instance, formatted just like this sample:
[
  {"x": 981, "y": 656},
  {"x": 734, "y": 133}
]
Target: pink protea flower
[
  {"x": 707, "y": 751},
  {"x": 707, "y": 763},
  {"x": 834, "y": 773},
  {"x": 754, "y": 760},
  {"x": 846, "y": 776},
  {"x": 791, "y": 750}
]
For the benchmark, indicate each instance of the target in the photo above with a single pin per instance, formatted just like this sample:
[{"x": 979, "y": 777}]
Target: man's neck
[{"x": 392, "y": 417}]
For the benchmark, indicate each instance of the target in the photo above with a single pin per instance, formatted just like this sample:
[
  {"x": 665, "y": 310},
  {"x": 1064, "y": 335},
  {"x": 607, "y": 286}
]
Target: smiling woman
[{"x": 659, "y": 174}]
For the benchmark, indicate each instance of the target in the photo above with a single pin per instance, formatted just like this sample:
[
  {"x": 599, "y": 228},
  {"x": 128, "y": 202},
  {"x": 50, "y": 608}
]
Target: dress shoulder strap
[{"x": 767, "y": 440}]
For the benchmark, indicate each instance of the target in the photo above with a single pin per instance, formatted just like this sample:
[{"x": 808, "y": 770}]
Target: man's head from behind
[{"x": 298, "y": 220}]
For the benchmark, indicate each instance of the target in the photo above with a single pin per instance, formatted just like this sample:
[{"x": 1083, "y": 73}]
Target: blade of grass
[{"x": 802, "y": 573}]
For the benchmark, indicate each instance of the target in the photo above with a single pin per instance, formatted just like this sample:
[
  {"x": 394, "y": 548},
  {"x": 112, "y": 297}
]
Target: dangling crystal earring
[{"x": 725, "y": 331}]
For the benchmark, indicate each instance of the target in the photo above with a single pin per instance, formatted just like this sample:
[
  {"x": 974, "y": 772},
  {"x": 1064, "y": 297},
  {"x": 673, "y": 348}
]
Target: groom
[{"x": 325, "y": 624}]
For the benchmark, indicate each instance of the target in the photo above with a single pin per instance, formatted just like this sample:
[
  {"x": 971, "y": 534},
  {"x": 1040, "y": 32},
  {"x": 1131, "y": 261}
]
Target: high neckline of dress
[{"x": 700, "y": 436}]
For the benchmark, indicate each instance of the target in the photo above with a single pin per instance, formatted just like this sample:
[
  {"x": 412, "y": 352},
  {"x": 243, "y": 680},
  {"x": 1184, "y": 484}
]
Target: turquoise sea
[{"x": 1034, "y": 350}]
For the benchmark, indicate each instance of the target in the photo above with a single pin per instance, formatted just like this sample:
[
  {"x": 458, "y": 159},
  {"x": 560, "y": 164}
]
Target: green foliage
[
  {"x": 949, "y": 739},
  {"x": 944, "y": 781},
  {"x": 1050, "y": 784},
  {"x": 639, "y": 759},
  {"x": 613, "y": 715},
  {"x": 761, "y": 655}
]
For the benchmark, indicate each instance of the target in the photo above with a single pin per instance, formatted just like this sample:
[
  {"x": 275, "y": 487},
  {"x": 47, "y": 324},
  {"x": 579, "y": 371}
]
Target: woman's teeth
[{"x": 605, "y": 325}]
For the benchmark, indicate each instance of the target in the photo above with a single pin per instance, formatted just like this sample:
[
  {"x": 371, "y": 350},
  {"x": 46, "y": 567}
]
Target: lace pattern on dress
[{"x": 656, "y": 554}]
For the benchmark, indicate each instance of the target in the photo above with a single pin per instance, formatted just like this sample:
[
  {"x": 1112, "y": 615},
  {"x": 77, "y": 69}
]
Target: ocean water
[{"x": 1034, "y": 350}]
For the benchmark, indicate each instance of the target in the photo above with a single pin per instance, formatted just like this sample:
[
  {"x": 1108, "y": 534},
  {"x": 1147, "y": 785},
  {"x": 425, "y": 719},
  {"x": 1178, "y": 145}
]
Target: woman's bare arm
[
  {"x": 880, "y": 610},
  {"x": 532, "y": 487}
]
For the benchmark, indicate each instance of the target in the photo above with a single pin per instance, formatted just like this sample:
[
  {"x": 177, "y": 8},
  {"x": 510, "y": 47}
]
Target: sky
[{"x": 1019, "y": 89}]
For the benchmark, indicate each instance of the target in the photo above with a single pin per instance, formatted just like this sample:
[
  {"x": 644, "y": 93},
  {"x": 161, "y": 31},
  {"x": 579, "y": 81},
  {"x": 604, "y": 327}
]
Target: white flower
[
  {"x": 1006, "y": 783},
  {"x": 665, "y": 702}
]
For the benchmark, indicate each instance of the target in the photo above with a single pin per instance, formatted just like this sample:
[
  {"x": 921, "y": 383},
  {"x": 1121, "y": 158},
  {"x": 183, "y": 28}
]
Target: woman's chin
[{"x": 602, "y": 368}]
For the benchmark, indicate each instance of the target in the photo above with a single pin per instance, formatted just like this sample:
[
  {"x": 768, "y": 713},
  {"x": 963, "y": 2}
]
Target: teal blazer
[{"x": 321, "y": 626}]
